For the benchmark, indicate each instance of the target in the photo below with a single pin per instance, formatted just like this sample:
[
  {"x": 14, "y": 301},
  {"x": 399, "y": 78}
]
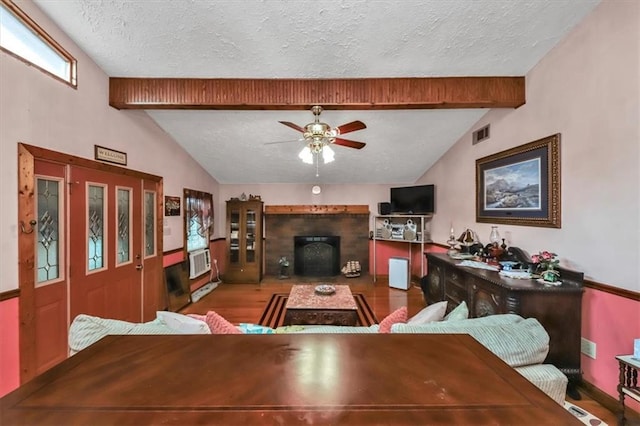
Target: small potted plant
[{"x": 545, "y": 266}]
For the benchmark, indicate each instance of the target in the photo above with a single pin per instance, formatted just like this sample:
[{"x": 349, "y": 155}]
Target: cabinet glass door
[
  {"x": 250, "y": 246},
  {"x": 234, "y": 233}
]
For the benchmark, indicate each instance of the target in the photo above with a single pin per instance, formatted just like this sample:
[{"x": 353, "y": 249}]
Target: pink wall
[
  {"x": 9, "y": 354},
  {"x": 611, "y": 322},
  {"x": 217, "y": 249},
  {"x": 387, "y": 249}
]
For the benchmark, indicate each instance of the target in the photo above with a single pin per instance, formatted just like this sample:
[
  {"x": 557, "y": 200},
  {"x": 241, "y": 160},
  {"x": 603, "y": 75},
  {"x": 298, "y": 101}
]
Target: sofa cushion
[
  {"x": 515, "y": 340},
  {"x": 183, "y": 323},
  {"x": 460, "y": 312},
  {"x": 548, "y": 379},
  {"x": 433, "y": 312},
  {"x": 397, "y": 316},
  {"x": 85, "y": 330}
]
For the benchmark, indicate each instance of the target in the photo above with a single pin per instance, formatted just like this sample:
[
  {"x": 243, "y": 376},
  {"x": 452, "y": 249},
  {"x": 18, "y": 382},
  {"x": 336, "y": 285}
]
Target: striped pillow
[{"x": 518, "y": 343}]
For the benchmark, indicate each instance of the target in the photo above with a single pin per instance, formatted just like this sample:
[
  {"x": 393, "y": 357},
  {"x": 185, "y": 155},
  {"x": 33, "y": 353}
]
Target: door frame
[{"x": 27, "y": 155}]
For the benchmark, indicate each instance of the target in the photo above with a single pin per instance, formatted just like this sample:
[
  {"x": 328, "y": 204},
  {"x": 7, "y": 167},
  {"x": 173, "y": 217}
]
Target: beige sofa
[{"x": 521, "y": 343}]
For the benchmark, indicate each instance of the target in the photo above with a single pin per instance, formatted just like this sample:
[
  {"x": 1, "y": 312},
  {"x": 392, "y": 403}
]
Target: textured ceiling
[{"x": 316, "y": 39}]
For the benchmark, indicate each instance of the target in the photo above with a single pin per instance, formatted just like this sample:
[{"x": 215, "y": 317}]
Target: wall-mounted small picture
[{"x": 171, "y": 206}]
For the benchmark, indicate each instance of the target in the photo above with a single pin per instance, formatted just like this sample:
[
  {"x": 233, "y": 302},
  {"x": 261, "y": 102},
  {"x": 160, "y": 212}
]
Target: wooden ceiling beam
[{"x": 302, "y": 94}]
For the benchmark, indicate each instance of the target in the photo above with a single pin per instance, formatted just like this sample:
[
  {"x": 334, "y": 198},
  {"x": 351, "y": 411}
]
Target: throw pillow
[
  {"x": 399, "y": 315},
  {"x": 219, "y": 325},
  {"x": 248, "y": 328},
  {"x": 461, "y": 312},
  {"x": 183, "y": 323},
  {"x": 433, "y": 312}
]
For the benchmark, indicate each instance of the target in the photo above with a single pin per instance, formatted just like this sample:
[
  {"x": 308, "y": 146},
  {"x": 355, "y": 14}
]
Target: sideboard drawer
[{"x": 455, "y": 292}]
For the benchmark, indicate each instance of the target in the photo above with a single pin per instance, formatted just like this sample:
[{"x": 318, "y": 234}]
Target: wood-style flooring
[{"x": 246, "y": 302}]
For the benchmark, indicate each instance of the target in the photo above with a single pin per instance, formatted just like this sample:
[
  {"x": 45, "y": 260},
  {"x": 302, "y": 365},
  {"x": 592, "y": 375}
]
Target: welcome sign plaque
[{"x": 110, "y": 155}]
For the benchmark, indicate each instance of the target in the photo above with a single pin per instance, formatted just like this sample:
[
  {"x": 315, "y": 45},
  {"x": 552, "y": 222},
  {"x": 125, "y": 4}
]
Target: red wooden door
[
  {"x": 50, "y": 275},
  {"x": 153, "y": 290},
  {"x": 105, "y": 244}
]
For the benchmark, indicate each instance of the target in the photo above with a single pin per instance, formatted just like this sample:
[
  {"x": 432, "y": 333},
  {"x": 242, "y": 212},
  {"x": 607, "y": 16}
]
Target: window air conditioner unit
[{"x": 199, "y": 263}]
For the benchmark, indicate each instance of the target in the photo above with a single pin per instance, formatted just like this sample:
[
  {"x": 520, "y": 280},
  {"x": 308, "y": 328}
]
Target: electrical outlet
[{"x": 588, "y": 348}]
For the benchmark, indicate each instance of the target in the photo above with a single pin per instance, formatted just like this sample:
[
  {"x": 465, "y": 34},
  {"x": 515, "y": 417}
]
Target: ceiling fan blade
[
  {"x": 292, "y": 125},
  {"x": 350, "y": 144},
  {"x": 350, "y": 127},
  {"x": 287, "y": 141}
]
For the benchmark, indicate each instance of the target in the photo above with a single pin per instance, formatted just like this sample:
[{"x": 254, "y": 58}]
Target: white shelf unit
[{"x": 403, "y": 229}]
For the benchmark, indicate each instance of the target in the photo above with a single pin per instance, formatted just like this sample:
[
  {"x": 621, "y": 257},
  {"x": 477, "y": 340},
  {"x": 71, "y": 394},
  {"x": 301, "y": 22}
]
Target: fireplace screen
[{"x": 317, "y": 256}]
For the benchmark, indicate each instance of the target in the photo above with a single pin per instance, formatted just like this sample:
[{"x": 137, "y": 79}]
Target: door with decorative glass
[
  {"x": 154, "y": 296},
  {"x": 50, "y": 282},
  {"x": 90, "y": 242},
  {"x": 106, "y": 244}
]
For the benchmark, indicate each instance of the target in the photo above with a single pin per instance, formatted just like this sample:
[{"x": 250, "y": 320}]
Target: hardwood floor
[{"x": 246, "y": 302}]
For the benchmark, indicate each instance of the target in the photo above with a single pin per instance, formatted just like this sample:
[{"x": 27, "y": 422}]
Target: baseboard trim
[{"x": 607, "y": 401}]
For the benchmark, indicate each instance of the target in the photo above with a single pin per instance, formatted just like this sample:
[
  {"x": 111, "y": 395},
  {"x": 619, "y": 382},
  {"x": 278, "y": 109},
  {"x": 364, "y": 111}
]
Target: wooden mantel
[{"x": 318, "y": 209}]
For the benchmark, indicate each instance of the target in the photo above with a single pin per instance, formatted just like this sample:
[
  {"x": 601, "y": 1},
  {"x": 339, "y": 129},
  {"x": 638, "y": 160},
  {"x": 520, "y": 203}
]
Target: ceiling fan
[{"x": 319, "y": 134}]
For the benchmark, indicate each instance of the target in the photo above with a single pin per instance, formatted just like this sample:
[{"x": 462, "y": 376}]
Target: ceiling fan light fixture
[
  {"x": 306, "y": 156},
  {"x": 328, "y": 155}
]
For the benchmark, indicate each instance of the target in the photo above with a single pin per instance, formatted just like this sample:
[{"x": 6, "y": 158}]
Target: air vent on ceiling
[{"x": 481, "y": 134}]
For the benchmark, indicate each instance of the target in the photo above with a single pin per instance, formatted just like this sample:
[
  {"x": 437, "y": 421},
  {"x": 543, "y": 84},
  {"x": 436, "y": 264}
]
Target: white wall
[
  {"x": 39, "y": 110},
  {"x": 587, "y": 89}
]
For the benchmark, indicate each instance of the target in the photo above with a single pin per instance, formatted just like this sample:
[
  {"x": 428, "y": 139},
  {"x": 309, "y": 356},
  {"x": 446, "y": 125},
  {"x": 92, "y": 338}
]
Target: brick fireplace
[{"x": 283, "y": 223}]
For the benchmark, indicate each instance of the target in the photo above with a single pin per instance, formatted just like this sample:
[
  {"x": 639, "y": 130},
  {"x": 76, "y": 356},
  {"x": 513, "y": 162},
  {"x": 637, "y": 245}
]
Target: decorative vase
[{"x": 494, "y": 236}]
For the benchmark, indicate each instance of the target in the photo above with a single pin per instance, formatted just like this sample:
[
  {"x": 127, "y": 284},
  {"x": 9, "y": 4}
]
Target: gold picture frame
[{"x": 521, "y": 186}]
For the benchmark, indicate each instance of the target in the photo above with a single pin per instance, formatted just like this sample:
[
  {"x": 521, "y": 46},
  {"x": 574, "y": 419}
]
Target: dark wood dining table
[{"x": 282, "y": 379}]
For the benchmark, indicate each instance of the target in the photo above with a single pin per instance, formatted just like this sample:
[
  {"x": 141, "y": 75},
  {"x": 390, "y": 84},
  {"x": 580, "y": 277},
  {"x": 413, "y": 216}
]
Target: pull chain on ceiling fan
[{"x": 318, "y": 136}]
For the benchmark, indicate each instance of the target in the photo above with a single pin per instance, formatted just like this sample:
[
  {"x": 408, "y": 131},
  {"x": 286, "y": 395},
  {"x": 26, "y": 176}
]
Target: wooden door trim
[{"x": 27, "y": 155}]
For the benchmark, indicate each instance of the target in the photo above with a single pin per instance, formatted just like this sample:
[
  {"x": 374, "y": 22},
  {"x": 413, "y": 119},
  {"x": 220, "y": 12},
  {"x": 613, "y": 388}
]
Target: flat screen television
[{"x": 420, "y": 199}]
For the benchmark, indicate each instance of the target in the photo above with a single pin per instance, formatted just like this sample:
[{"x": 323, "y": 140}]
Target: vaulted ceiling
[{"x": 245, "y": 65}]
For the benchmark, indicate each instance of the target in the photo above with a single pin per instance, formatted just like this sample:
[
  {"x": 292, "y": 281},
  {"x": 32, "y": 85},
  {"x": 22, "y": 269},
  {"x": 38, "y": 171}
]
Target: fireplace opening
[{"x": 316, "y": 256}]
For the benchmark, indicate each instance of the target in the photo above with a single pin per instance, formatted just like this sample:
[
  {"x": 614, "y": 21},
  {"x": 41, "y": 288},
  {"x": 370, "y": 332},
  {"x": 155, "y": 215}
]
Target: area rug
[
  {"x": 273, "y": 315},
  {"x": 583, "y": 415}
]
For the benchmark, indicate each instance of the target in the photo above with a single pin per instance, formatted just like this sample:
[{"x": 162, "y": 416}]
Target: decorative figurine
[{"x": 284, "y": 265}]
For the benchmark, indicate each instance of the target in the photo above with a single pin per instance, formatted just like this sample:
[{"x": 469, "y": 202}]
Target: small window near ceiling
[{"x": 23, "y": 38}]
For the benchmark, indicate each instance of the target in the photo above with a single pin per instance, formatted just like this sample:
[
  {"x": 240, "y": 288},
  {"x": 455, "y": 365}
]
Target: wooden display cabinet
[{"x": 244, "y": 242}]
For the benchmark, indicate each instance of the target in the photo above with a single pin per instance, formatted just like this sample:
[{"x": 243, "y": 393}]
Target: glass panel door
[
  {"x": 123, "y": 198},
  {"x": 96, "y": 208},
  {"x": 149, "y": 223},
  {"x": 48, "y": 207},
  {"x": 250, "y": 247},
  {"x": 234, "y": 236}
]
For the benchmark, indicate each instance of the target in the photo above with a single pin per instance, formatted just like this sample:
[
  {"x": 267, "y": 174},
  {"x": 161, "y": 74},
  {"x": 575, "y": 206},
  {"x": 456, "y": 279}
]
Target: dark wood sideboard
[{"x": 486, "y": 292}]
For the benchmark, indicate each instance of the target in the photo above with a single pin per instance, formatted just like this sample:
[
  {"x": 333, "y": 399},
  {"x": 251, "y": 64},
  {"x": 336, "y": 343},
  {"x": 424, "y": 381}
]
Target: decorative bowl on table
[
  {"x": 508, "y": 265},
  {"x": 325, "y": 289}
]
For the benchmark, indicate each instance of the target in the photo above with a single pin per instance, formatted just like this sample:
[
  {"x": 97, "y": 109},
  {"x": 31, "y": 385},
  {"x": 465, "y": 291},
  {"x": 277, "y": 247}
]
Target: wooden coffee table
[{"x": 305, "y": 307}]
